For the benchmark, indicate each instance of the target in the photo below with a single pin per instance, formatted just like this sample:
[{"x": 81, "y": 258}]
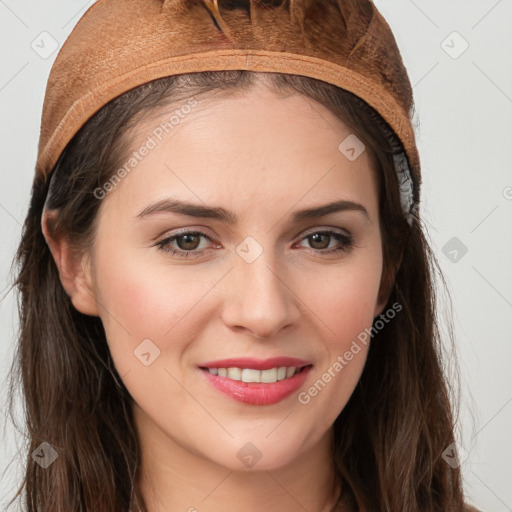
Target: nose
[{"x": 259, "y": 298}]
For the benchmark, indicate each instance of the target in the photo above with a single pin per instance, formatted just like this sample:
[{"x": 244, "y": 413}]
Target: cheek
[
  {"x": 140, "y": 302},
  {"x": 343, "y": 296}
]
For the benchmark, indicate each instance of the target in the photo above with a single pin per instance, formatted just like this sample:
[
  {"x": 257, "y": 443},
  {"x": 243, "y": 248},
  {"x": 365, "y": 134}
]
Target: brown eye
[
  {"x": 184, "y": 244},
  {"x": 319, "y": 240},
  {"x": 188, "y": 242}
]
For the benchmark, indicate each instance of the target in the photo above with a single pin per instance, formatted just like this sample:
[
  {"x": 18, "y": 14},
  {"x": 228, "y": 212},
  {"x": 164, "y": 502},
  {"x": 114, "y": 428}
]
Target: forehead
[{"x": 248, "y": 146}]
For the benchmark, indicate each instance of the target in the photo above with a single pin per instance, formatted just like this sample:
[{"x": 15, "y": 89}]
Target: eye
[
  {"x": 320, "y": 241},
  {"x": 187, "y": 242}
]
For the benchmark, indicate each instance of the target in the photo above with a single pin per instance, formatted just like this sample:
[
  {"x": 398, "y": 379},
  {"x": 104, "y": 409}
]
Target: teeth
[
  {"x": 235, "y": 373},
  {"x": 282, "y": 371},
  {"x": 289, "y": 372},
  {"x": 269, "y": 375},
  {"x": 250, "y": 375}
]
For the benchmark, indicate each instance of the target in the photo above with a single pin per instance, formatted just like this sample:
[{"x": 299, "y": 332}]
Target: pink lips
[{"x": 256, "y": 393}]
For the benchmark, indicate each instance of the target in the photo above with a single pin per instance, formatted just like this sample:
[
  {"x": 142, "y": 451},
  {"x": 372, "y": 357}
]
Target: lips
[{"x": 256, "y": 391}]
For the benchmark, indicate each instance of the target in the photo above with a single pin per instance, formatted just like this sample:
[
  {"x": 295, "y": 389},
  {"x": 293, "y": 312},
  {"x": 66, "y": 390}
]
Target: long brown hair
[{"x": 388, "y": 440}]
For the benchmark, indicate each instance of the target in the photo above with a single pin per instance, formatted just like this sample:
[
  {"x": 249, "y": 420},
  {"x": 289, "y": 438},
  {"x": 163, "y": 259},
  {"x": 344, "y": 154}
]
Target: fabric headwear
[{"x": 118, "y": 45}]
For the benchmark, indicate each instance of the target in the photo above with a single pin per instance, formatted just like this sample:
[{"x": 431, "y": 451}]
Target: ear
[
  {"x": 386, "y": 285},
  {"x": 74, "y": 268}
]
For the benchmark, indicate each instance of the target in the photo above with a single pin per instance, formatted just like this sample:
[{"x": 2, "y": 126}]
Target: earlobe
[
  {"x": 73, "y": 267},
  {"x": 83, "y": 296}
]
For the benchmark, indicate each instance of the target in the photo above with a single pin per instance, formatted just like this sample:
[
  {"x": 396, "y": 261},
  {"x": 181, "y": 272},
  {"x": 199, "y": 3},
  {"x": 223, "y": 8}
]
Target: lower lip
[{"x": 256, "y": 393}]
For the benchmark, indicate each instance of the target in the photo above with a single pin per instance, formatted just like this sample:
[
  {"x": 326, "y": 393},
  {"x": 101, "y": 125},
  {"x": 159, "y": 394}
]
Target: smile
[
  {"x": 256, "y": 387},
  {"x": 251, "y": 375}
]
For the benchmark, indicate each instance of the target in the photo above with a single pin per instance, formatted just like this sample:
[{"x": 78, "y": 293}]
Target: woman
[{"x": 227, "y": 295}]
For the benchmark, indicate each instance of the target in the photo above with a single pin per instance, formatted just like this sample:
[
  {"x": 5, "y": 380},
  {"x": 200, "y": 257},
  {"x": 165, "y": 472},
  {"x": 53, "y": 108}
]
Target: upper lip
[{"x": 256, "y": 364}]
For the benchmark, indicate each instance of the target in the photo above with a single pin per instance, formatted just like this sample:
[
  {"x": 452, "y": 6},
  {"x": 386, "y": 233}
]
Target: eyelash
[{"x": 346, "y": 239}]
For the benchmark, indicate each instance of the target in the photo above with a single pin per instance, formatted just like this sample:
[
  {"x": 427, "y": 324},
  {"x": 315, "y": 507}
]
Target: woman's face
[{"x": 256, "y": 283}]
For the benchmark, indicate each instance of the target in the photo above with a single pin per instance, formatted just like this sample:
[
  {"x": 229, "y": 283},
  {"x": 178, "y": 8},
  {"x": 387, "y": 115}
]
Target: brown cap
[{"x": 120, "y": 44}]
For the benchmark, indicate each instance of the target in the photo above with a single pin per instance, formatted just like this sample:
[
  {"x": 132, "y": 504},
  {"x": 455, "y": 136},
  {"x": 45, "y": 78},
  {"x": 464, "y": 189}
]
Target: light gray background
[{"x": 464, "y": 134}]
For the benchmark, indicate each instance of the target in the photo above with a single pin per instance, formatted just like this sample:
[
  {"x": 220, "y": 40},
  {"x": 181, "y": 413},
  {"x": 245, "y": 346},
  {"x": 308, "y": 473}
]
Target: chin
[{"x": 259, "y": 453}]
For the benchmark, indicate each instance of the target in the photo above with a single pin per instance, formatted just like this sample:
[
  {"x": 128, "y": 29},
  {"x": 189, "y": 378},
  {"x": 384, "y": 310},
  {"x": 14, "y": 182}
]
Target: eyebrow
[{"x": 218, "y": 213}]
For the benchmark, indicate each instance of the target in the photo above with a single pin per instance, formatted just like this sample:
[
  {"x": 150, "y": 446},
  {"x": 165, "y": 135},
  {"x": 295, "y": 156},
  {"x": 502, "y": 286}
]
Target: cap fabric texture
[{"x": 120, "y": 44}]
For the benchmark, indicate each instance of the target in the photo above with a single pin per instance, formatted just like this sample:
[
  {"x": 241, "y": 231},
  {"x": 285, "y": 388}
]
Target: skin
[{"x": 293, "y": 300}]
